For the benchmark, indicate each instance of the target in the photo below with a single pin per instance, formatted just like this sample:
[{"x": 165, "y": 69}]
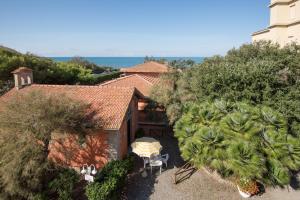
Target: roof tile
[
  {"x": 136, "y": 81},
  {"x": 110, "y": 103},
  {"x": 152, "y": 78},
  {"x": 148, "y": 67},
  {"x": 21, "y": 69}
]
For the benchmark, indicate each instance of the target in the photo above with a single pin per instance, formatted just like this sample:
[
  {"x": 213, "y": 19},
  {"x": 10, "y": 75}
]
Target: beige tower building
[{"x": 284, "y": 23}]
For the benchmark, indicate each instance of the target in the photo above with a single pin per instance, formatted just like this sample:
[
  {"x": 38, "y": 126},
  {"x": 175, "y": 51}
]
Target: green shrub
[
  {"x": 106, "y": 77},
  {"x": 239, "y": 140},
  {"x": 260, "y": 73},
  {"x": 40, "y": 196},
  {"x": 110, "y": 180},
  {"x": 47, "y": 71},
  {"x": 117, "y": 169},
  {"x": 64, "y": 184},
  {"x": 102, "y": 191},
  {"x": 5, "y": 86}
]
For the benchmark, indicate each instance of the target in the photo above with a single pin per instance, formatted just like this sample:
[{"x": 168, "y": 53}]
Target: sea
[{"x": 118, "y": 62}]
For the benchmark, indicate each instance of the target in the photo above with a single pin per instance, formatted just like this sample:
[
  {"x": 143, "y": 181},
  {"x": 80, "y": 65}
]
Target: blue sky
[{"x": 130, "y": 27}]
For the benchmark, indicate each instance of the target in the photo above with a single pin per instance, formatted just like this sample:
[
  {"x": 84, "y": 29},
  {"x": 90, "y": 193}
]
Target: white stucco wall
[
  {"x": 279, "y": 14},
  {"x": 283, "y": 27},
  {"x": 293, "y": 33}
]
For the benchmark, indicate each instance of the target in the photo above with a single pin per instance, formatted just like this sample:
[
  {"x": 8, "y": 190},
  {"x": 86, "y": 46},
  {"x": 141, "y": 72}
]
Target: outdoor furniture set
[{"x": 149, "y": 150}]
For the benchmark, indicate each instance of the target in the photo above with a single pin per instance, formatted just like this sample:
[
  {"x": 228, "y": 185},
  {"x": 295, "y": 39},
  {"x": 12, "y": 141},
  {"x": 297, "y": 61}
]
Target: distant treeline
[{"x": 46, "y": 71}]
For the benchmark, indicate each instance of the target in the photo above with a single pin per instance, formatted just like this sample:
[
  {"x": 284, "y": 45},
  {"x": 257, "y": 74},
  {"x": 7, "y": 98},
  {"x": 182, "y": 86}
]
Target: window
[{"x": 293, "y": 11}]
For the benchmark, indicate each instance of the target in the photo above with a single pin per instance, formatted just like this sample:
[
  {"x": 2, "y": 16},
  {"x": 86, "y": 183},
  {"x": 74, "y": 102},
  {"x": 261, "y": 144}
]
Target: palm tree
[{"x": 239, "y": 140}]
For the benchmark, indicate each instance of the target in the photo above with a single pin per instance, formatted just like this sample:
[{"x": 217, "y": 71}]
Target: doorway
[{"x": 128, "y": 132}]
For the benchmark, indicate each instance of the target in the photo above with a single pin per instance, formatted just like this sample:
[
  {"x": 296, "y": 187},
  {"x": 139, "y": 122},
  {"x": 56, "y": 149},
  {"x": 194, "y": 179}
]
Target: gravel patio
[{"x": 143, "y": 185}]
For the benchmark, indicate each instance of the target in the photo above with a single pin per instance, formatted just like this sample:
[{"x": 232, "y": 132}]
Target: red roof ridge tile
[
  {"x": 147, "y": 67},
  {"x": 115, "y": 80},
  {"x": 124, "y": 77},
  {"x": 80, "y": 86},
  {"x": 116, "y": 87}
]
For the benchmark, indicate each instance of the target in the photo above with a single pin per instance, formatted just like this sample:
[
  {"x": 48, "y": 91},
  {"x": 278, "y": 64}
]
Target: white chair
[
  {"x": 156, "y": 163},
  {"x": 146, "y": 161},
  {"x": 165, "y": 158}
]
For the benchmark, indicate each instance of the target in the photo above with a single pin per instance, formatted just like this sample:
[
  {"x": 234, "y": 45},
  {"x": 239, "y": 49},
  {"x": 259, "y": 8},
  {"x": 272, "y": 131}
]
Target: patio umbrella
[{"x": 146, "y": 146}]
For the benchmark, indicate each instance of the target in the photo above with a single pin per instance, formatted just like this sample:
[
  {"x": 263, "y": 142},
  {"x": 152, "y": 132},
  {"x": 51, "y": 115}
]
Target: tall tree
[
  {"x": 260, "y": 73},
  {"x": 27, "y": 122}
]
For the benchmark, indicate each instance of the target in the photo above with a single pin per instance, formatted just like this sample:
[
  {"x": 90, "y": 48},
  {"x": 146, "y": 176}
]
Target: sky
[{"x": 130, "y": 27}]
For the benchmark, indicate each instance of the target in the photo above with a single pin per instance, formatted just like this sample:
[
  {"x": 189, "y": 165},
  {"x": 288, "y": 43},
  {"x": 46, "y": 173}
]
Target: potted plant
[{"x": 247, "y": 187}]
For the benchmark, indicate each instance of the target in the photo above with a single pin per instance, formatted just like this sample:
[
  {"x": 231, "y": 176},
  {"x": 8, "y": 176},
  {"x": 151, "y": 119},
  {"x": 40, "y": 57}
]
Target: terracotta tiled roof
[
  {"x": 21, "y": 69},
  {"x": 148, "y": 67},
  {"x": 141, "y": 84},
  {"x": 109, "y": 103},
  {"x": 152, "y": 78}
]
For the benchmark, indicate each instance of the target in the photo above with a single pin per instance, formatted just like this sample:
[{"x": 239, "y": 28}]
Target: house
[
  {"x": 118, "y": 104},
  {"x": 284, "y": 23},
  {"x": 115, "y": 106},
  {"x": 143, "y": 77},
  {"x": 150, "y": 71},
  {"x": 151, "y": 121}
]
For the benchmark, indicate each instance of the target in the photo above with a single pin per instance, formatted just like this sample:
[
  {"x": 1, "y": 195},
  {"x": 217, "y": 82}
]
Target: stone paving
[{"x": 143, "y": 185}]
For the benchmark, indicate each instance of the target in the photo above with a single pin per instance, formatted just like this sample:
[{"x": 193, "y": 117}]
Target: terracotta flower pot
[{"x": 244, "y": 194}]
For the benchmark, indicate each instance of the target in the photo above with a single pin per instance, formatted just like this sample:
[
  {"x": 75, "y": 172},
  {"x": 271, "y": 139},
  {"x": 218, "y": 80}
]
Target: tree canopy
[
  {"x": 259, "y": 73},
  {"x": 27, "y": 123},
  {"x": 47, "y": 71},
  {"x": 239, "y": 140},
  {"x": 257, "y": 139}
]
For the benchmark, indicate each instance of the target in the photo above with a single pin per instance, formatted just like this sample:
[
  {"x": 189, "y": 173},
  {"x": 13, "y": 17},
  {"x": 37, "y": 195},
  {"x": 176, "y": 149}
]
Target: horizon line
[{"x": 127, "y": 56}]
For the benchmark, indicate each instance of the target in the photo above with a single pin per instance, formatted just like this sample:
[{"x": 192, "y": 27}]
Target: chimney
[{"x": 23, "y": 77}]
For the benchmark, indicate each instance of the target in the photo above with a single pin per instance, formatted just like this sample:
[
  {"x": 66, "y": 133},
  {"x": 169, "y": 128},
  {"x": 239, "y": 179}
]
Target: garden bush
[
  {"x": 46, "y": 71},
  {"x": 261, "y": 73},
  {"x": 106, "y": 190},
  {"x": 105, "y": 77},
  {"x": 110, "y": 180},
  {"x": 239, "y": 141},
  {"x": 64, "y": 184}
]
